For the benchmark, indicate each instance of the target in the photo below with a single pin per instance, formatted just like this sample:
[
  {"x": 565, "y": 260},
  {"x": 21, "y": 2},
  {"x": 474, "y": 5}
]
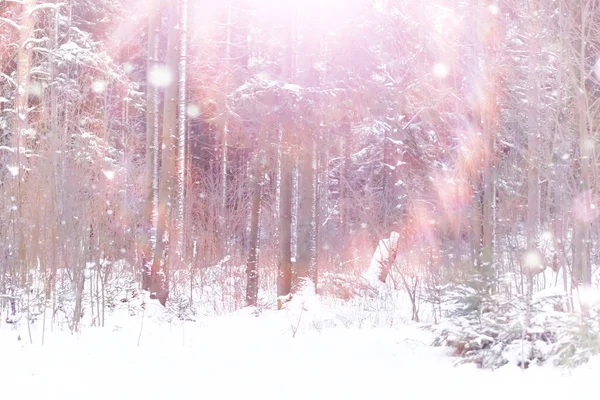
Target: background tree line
[{"x": 247, "y": 145}]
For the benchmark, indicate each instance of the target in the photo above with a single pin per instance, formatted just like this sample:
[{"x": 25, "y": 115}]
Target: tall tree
[
  {"x": 181, "y": 134},
  {"x": 152, "y": 140},
  {"x": 163, "y": 255},
  {"x": 284, "y": 259}
]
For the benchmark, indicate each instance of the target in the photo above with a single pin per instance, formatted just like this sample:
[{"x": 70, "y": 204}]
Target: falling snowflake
[
  {"x": 441, "y": 70},
  {"x": 128, "y": 67},
  {"x": 160, "y": 76},
  {"x": 14, "y": 170},
  {"x": 588, "y": 296},
  {"x": 110, "y": 175},
  {"x": 99, "y": 86},
  {"x": 589, "y": 144},
  {"x": 534, "y": 262},
  {"x": 584, "y": 206},
  {"x": 35, "y": 89},
  {"x": 493, "y": 8},
  {"x": 547, "y": 236},
  {"x": 193, "y": 111}
]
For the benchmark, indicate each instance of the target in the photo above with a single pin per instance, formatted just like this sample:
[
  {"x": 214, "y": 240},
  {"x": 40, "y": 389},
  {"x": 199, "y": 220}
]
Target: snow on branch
[
  {"x": 8, "y": 78},
  {"x": 45, "y": 6},
  {"x": 11, "y": 23}
]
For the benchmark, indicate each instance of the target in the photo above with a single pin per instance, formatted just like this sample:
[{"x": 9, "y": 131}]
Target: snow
[
  {"x": 382, "y": 255},
  {"x": 292, "y": 88},
  {"x": 14, "y": 170},
  {"x": 597, "y": 69},
  {"x": 241, "y": 355}
]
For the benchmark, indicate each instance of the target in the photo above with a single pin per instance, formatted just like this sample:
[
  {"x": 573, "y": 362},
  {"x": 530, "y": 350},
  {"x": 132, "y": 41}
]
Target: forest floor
[{"x": 291, "y": 354}]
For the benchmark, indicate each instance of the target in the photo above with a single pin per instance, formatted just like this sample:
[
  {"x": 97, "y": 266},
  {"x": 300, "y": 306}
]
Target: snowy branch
[
  {"x": 46, "y": 6},
  {"x": 11, "y": 23},
  {"x": 8, "y": 79}
]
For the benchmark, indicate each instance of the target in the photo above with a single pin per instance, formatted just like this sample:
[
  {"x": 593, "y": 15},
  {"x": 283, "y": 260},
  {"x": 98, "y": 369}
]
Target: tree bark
[
  {"x": 252, "y": 264},
  {"x": 582, "y": 274},
  {"x": 160, "y": 265},
  {"x": 305, "y": 209},
  {"x": 284, "y": 259},
  {"x": 151, "y": 147},
  {"x": 20, "y": 125},
  {"x": 179, "y": 223}
]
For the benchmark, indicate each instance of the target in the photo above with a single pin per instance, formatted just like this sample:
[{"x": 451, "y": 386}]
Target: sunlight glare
[{"x": 532, "y": 260}]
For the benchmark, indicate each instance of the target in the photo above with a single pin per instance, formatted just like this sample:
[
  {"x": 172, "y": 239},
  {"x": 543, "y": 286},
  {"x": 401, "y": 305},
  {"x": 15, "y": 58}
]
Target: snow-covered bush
[
  {"x": 488, "y": 329},
  {"x": 182, "y": 307},
  {"x": 577, "y": 339}
]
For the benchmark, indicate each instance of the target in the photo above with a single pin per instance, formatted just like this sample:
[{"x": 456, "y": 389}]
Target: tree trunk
[
  {"x": 532, "y": 159},
  {"x": 284, "y": 263},
  {"x": 225, "y": 138},
  {"x": 160, "y": 264},
  {"x": 305, "y": 209},
  {"x": 582, "y": 274},
  {"x": 284, "y": 259},
  {"x": 151, "y": 146},
  {"x": 179, "y": 223},
  {"x": 252, "y": 265},
  {"x": 20, "y": 125}
]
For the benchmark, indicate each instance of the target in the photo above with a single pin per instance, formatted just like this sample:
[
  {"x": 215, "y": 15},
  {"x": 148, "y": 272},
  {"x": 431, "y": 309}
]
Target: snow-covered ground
[{"x": 245, "y": 356}]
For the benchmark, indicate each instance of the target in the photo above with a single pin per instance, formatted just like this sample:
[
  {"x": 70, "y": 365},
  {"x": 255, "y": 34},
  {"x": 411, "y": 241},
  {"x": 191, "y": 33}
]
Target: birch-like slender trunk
[
  {"x": 252, "y": 264},
  {"x": 533, "y": 162},
  {"x": 181, "y": 131},
  {"x": 225, "y": 135},
  {"x": 306, "y": 184}
]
